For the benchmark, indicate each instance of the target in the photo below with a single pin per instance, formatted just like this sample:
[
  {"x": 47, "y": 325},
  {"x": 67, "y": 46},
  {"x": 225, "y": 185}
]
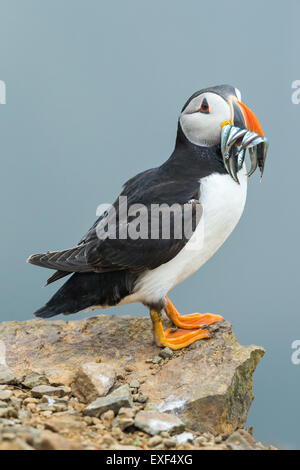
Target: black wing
[{"x": 99, "y": 253}]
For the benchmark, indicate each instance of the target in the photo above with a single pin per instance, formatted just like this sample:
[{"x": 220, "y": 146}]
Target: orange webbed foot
[
  {"x": 175, "y": 338},
  {"x": 191, "y": 321}
]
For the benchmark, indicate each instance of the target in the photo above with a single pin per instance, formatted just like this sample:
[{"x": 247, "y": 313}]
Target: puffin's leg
[
  {"x": 188, "y": 322},
  {"x": 174, "y": 339}
]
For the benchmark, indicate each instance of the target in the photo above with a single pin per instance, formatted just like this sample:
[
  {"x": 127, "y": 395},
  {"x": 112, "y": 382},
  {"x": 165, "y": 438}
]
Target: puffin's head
[{"x": 207, "y": 110}]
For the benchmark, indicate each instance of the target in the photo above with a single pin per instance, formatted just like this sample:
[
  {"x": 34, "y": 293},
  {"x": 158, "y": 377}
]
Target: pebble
[
  {"x": 121, "y": 397},
  {"x": 53, "y": 441},
  {"x": 34, "y": 380},
  {"x": 6, "y": 375},
  {"x": 20, "y": 394},
  {"x": 65, "y": 423},
  {"x": 5, "y": 395},
  {"x": 184, "y": 437},
  {"x": 156, "y": 360},
  {"x": 108, "y": 439},
  {"x": 126, "y": 412},
  {"x": 201, "y": 441},
  {"x": 124, "y": 423},
  {"x": 107, "y": 417},
  {"x": 154, "y": 441},
  {"x": 40, "y": 390},
  {"x": 24, "y": 415},
  {"x": 88, "y": 420},
  {"x": 91, "y": 434},
  {"x": 47, "y": 413},
  {"x": 134, "y": 383},
  {"x": 9, "y": 412},
  {"x": 169, "y": 442},
  {"x": 117, "y": 433},
  {"x": 141, "y": 398},
  {"x": 151, "y": 407},
  {"x": 32, "y": 407},
  {"x": 129, "y": 368},
  {"x": 6, "y": 436},
  {"x": 154, "y": 422},
  {"x": 166, "y": 353},
  {"x": 93, "y": 380},
  {"x": 30, "y": 400}
]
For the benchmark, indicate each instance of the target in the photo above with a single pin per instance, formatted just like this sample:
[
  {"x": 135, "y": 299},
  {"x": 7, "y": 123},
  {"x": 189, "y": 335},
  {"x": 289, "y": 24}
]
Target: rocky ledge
[{"x": 101, "y": 383}]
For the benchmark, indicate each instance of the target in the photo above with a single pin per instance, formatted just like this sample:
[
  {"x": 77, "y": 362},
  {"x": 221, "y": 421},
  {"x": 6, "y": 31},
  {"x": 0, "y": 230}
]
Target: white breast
[{"x": 223, "y": 203}]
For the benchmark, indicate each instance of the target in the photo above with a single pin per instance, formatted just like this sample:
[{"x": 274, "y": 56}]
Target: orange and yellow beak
[
  {"x": 250, "y": 120},
  {"x": 244, "y": 118}
]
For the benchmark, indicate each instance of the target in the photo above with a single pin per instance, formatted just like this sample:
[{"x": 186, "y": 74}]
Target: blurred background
[{"x": 94, "y": 91}]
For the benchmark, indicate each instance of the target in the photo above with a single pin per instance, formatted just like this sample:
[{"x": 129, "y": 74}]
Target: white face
[{"x": 202, "y": 118}]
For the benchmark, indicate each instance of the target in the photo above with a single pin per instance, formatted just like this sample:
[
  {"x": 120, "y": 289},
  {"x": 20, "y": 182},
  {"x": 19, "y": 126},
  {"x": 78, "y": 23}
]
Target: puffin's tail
[{"x": 88, "y": 290}]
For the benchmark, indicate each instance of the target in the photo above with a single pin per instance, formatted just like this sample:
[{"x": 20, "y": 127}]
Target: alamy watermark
[
  {"x": 2, "y": 92},
  {"x": 151, "y": 222},
  {"x": 296, "y": 93},
  {"x": 295, "y": 357}
]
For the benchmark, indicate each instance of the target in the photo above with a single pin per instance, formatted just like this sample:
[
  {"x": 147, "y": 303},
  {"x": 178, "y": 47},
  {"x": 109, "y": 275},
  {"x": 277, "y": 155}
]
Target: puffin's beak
[
  {"x": 243, "y": 132},
  {"x": 244, "y": 118}
]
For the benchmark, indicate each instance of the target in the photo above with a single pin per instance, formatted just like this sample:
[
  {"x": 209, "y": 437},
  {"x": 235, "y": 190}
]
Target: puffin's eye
[{"x": 204, "y": 106}]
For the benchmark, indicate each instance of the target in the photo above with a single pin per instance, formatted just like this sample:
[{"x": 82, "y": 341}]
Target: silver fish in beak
[{"x": 245, "y": 134}]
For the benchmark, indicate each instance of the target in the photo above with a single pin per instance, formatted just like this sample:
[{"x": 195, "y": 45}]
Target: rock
[
  {"x": 52, "y": 441},
  {"x": 93, "y": 380},
  {"x": 154, "y": 441},
  {"x": 166, "y": 353},
  {"x": 16, "y": 402},
  {"x": 40, "y": 390},
  {"x": 184, "y": 437},
  {"x": 107, "y": 418},
  {"x": 141, "y": 398},
  {"x": 121, "y": 397},
  {"x": 5, "y": 395},
  {"x": 125, "y": 418},
  {"x": 241, "y": 440},
  {"x": 151, "y": 407},
  {"x": 59, "y": 376},
  {"x": 65, "y": 423},
  {"x": 134, "y": 383},
  {"x": 6, "y": 375},
  {"x": 34, "y": 380},
  {"x": 24, "y": 415},
  {"x": 215, "y": 380},
  {"x": 156, "y": 360},
  {"x": 126, "y": 413},
  {"x": 154, "y": 422},
  {"x": 169, "y": 442},
  {"x": 208, "y": 384},
  {"x": 8, "y": 412},
  {"x": 124, "y": 423}
]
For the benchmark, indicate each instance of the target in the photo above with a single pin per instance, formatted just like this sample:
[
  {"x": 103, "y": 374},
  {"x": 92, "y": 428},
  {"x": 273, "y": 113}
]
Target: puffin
[{"x": 120, "y": 261}]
